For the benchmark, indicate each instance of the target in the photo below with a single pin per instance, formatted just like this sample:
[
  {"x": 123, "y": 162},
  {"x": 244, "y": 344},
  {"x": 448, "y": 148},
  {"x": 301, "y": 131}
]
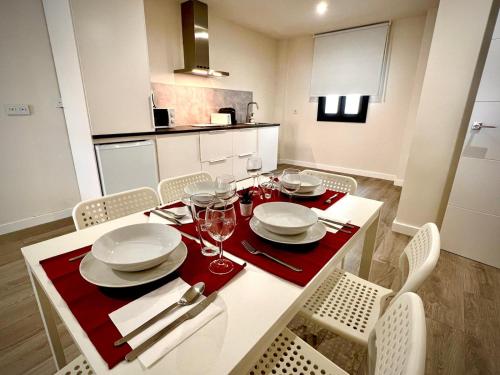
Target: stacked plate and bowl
[
  {"x": 286, "y": 223},
  {"x": 310, "y": 186},
  {"x": 134, "y": 255}
]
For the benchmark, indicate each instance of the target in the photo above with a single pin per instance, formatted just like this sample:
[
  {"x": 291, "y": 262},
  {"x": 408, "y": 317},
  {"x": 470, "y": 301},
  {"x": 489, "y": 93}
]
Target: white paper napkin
[
  {"x": 325, "y": 215},
  {"x": 153, "y": 218},
  {"x": 132, "y": 315}
]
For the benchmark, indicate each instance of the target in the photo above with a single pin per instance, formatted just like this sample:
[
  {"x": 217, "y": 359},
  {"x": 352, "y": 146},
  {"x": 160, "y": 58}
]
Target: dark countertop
[{"x": 184, "y": 129}]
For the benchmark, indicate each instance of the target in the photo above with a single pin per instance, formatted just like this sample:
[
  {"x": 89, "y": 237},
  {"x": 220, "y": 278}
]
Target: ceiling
[{"x": 287, "y": 18}]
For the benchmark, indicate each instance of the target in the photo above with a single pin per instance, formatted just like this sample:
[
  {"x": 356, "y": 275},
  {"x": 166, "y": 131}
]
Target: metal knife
[
  {"x": 334, "y": 226},
  {"x": 347, "y": 225},
  {"x": 177, "y": 322},
  {"x": 163, "y": 216}
]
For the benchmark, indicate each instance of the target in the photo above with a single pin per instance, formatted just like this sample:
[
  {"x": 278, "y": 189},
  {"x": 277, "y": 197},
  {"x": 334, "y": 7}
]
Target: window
[{"x": 350, "y": 108}]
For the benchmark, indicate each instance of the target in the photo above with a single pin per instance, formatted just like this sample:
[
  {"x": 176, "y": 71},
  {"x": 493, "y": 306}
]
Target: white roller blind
[{"x": 350, "y": 61}]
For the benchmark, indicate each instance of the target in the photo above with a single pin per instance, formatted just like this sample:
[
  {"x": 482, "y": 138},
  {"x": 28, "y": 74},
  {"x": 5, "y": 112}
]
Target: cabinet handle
[
  {"x": 217, "y": 160},
  {"x": 243, "y": 155}
]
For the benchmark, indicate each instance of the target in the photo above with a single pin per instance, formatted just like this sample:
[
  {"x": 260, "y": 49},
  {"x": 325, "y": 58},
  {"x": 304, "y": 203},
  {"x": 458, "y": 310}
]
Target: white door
[{"x": 471, "y": 226}]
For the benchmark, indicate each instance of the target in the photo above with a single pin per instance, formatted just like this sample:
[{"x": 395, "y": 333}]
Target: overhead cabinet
[{"x": 113, "y": 55}]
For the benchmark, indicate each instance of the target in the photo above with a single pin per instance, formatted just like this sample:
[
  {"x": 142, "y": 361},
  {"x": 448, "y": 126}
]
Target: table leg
[
  {"x": 47, "y": 313},
  {"x": 368, "y": 248}
]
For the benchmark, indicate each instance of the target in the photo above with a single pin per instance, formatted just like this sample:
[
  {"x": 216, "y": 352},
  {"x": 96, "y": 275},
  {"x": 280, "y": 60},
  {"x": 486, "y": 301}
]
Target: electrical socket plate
[{"x": 17, "y": 109}]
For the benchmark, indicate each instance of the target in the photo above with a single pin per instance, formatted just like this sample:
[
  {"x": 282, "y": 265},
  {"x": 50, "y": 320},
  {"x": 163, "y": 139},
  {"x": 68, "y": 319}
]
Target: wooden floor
[{"x": 461, "y": 298}]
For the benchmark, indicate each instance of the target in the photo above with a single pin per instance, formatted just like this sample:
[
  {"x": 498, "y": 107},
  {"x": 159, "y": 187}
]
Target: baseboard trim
[
  {"x": 334, "y": 168},
  {"x": 34, "y": 220},
  {"x": 398, "y": 182},
  {"x": 403, "y": 228}
]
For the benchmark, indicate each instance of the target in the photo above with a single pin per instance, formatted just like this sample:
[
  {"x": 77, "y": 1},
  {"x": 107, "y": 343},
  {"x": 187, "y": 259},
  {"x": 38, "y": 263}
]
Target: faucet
[{"x": 250, "y": 114}]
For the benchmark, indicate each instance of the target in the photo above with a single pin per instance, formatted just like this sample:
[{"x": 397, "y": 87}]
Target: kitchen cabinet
[
  {"x": 216, "y": 145},
  {"x": 113, "y": 55},
  {"x": 267, "y": 140},
  {"x": 217, "y": 167},
  {"x": 244, "y": 146},
  {"x": 178, "y": 154}
]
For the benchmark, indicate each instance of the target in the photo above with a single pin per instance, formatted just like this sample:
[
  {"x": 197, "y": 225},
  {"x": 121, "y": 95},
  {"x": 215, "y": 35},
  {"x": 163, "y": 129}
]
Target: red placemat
[
  {"x": 91, "y": 304},
  {"x": 311, "y": 258}
]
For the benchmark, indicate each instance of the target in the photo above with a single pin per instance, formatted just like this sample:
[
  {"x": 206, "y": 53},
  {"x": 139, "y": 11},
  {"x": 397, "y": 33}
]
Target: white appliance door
[
  {"x": 127, "y": 165},
  {"x": 471, "y": 226}
]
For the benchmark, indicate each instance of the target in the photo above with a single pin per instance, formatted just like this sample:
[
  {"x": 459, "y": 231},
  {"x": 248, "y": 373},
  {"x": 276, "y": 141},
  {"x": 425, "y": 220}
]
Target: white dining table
[{"x": 257, "y": 304}]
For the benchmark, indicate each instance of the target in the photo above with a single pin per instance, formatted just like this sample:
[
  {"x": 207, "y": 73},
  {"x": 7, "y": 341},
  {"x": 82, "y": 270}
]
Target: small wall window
[{"x": 350, "y": 108}]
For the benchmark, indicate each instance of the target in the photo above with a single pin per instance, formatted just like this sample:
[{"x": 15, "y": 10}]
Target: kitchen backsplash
[{"x": 193, "y": 105}]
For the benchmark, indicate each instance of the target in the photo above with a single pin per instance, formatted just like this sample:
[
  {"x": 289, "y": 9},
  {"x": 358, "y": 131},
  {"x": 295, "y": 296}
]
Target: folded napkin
[
  {"x": 132, "y": 315},
  {"x": 153, "y": 218},
  {"x": 323, "y": 214}
]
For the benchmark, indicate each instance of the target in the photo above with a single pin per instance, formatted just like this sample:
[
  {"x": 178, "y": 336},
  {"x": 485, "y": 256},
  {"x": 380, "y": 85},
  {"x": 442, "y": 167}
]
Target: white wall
[
  {"x": 249, "y": 57},
  {"x": 370, "y": 149},
  {"x": 38, "y": 181},
  {"x": 448, "y": 92}
]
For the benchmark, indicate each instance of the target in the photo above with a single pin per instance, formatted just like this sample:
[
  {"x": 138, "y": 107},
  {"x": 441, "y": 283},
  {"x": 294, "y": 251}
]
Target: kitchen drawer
[
  {"x": 218, "y": 167},
  {"x": 244, "y": 142},
  {"x": 240, "y": 166},
  {"x": 215, "y": 145},
  {"x": 178, "y": 154}
]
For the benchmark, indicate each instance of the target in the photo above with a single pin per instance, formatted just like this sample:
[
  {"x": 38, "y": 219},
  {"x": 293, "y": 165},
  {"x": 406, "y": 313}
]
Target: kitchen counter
[{"x": 184, "y": 129}]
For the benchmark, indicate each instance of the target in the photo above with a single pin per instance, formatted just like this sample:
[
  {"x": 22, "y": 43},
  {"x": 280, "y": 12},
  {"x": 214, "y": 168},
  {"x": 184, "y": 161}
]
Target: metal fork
[
  {"x": 253, "y": 250},
  {"x": 166, "y": 217}
]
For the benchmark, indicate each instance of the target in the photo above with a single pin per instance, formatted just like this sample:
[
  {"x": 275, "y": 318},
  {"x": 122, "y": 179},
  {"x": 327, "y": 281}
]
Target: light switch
[{"x": 17, "y": 109}]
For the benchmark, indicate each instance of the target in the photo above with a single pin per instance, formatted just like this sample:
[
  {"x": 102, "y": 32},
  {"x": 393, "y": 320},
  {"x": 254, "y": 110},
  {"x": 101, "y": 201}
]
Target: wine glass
[
  {"x": 198, "y": 203},
  {"x": 290, "y": 181},
  {"x": 220, "y": 221},
  {"x": 254, "y": 165},
  {"x": 225, "y": 187}
]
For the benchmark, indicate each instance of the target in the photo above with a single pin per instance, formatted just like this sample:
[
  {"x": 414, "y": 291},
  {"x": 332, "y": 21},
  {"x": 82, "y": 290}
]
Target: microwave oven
[{"x": 164, "y": 117}]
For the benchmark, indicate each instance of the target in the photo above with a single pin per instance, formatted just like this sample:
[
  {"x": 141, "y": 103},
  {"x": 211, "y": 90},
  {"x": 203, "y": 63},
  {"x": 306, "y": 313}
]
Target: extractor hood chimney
[{"x": 195, "y": 40}]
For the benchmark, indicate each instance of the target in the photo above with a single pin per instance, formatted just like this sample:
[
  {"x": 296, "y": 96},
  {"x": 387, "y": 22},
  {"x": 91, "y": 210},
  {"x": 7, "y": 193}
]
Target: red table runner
[
  {"x": 91, "y": 304},
  {"x": 310, "y": 258}
]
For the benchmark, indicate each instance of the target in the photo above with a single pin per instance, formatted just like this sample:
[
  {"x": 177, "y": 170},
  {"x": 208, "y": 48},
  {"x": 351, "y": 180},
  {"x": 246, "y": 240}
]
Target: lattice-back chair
[
  {"x": 113, "y": 206},
  {"x": 397, "y": 346},
  {"x": 350, "y": 306},
  {"x": 172, "y": 189},
  {"x": 336, "y": 182}
]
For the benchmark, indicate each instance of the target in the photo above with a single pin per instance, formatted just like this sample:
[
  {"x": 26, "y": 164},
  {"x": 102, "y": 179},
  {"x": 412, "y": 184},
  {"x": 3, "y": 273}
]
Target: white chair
[
  {"x": 336, "y": 182},
  {"x": 113, "y": 206},
  {"x": 78, "y": 366},
  {"x": 397, "y": 346},
  {"x": 172, "y": 189},
  {"x": 350, "y": 306}
]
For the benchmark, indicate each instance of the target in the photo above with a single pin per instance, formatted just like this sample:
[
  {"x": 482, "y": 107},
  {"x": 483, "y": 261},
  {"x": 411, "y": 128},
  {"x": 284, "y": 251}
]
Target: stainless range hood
[{"x": 195, "y": 40}]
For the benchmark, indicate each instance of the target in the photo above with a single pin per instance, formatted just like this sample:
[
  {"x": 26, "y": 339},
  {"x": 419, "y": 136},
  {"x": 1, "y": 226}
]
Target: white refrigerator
[{"x": 127, "y": 165}]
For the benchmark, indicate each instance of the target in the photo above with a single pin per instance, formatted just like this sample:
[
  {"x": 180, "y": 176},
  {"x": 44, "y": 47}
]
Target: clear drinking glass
[
  {"x": 220, "y": 222},
  {"x": 199, "y": 203},
  {"x": 290, "y": 181},
  {"x": 266, "y": 184},
  {"x": 225, "y": 187},
  {"x": 254, "y": 166}
]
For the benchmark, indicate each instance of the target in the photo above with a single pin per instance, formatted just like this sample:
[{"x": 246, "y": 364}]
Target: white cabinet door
[
  {"x": 178, "y": 154},
  {"x": 216, "y": 145},
  {"x": 240, "y": 167},
  {"x": 218, "y": 167},
  {"x": 244, "y": 142},
  {"x": 113, "y": 54},
  {"x": 268, "y": 147}
]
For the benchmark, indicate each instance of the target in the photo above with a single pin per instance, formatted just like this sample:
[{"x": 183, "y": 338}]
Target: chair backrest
[
  {"x": 336, "y": 182},
  {"x": 419, "y": 258},
  {"x": 172, "y": 189},
  {"x": 113, "y": 206},
  {"x": 397, "y": 344}
]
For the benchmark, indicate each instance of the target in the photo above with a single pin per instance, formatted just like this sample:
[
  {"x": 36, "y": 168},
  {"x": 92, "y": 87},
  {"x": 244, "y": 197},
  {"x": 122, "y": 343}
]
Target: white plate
[
  {"x": 136, "y": 247},
  {"x": 320, "y": 190},
  {"x": 313, "y": 234},
  {"x": 285, "y": 218},
  {"x": 307, "y": 182},
  {"x": 97, "y": 273},
  {"x": 200, "y": 187}
]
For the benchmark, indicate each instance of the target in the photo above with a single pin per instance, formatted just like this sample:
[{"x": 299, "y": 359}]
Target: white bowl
[
  {"x": 136, "y": 247},
  {"x": 200, "y": 187},
  {"x": 308, "y": 183},
  {"x": 285, "y": 218}
]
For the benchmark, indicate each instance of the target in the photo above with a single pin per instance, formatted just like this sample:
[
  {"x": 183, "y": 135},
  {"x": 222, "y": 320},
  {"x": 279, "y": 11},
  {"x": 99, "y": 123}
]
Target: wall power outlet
[{"x": 17, "y": 109}]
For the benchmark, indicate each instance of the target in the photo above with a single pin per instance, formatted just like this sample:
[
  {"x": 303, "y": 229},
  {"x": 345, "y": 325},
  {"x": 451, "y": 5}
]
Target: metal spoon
[
  {"x": 189, "y": 297},
  {"x": 174, "y": 214}
]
